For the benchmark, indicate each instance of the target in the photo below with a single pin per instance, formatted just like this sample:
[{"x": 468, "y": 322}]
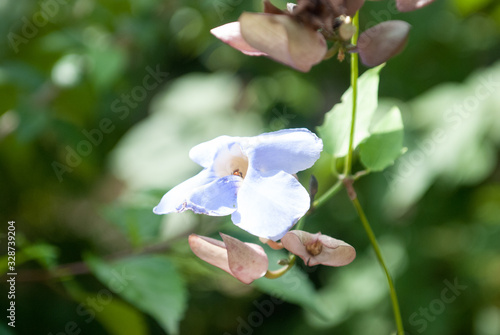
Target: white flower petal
[
  {"x": 175, "y": 200},
  {"x": 205, "y": 153},
  {"x": 270, "y": 204},
  {"x": 290, "y": 150},
  {"x": 217, "y": 198}
]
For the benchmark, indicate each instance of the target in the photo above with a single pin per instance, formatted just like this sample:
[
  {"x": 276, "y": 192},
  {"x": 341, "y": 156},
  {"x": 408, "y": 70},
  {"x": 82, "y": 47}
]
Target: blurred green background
[{"x": 101, "y": 101}]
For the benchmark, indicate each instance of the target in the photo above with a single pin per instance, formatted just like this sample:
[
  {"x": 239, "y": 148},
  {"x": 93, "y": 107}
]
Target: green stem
[
  {"x": 280, "y": 272},
  {"x": 376, "y": 248},
  {"x": 349, "y": 180},
  {"x": 327, "y": 195},
  {"x": 354, "y": 85}
]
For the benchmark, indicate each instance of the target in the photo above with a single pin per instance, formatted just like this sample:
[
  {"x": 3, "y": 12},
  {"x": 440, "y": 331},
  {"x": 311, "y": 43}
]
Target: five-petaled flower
[{"x": 251, "y": 178}]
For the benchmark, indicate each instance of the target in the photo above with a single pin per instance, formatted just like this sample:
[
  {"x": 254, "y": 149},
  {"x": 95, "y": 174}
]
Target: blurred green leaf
[
  {"x": 467, "y": 7},
  {"x": 385, "y": 143},
  {"x": 294, "y": 287},
  {"x": 130, "y": 320},
  {"x": 151, "y": 283},
  {"x": 32, "y": 122},
  {"x": 336, "y": 128},
  {"x": 194, "y": 109},
  {"x": 140, "y": 225},
  {"x": 107, "y": 65},
  {"x": 4, "y": 329},
  {"x": 456, "y": 129},
  {"x": 45, "y": 254}
]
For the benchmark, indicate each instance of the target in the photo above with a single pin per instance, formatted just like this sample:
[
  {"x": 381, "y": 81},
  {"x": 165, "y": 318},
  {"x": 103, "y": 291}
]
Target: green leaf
[
  {"x": 385, "y": 144},
  {"x": 120, "y": 318},
  {"x": 336, "y": 128},
  {"x": 45, "y": 254},
  {"x": 467, "y": 7},
  {"x": 107, "y": 65},
  {"x": 114, "y": 315},
  {"x": 294, "y": 287},
  {"x": 151, "y": 283},
  {"x": 452, "y": 139},
  {"x": 138, "y": 224}
]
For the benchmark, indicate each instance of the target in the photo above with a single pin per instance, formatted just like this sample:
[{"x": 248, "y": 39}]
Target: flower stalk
[
  {"x": 354, "y": 85},
  {"x": 280, "y": 272},
  {"x": 348, "y": 181},
  {"x": 378, "y": 253}
]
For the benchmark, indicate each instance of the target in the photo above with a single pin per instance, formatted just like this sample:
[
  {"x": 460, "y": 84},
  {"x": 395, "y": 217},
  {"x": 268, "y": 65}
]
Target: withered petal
[
  {"x": 410, "y": 5},
  {"x": 347, "y": 7},
  {"x": 383, "y": 41},
  {"x": 333, "y": 252},
  {"x": 247, "y": 261},
  {"x": 283, "y": 39},
  {"x": 210, "y": 250},
  {"x": 230, "y": 33}
]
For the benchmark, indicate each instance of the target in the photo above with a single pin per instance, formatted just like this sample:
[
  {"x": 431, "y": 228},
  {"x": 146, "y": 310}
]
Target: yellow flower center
[{"x": 231, "y": 162}]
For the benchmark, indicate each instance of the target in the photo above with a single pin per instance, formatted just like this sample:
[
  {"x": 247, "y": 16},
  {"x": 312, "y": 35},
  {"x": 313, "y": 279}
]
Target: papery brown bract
[
  {"x": 247, "y": 261},
  {"x": 410, "y": 5},
  {"x": 347, "y": 7},
  {"x": 283, "y": 39},
  {"x": 318, "y": 248},
  {"x": 244, "y": 261},
  {"x": 230, "y": 33},
  {"x": 383, "y": 41},
  {"x": 269, "y": 8}
]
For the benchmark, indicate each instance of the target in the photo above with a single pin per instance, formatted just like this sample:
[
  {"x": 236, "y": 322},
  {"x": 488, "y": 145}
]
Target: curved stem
[
  {"x": 280, "y": 272},
  {"x": 354, "y": 85},
  {"x": 376, "y": 248}
]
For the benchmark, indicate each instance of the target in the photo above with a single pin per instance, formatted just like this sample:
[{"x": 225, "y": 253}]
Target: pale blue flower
[{"x": 251, "y": 178}]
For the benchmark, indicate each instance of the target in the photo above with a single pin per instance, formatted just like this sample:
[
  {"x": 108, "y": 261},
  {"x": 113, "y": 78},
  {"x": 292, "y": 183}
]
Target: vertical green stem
[
  {"x": 351, "y": 191},
  {"x": 376, "y": 248},
  {"x": 354, "y": 85}
]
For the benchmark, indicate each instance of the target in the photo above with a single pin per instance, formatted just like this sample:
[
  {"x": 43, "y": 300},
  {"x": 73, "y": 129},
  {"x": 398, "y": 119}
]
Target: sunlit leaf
[
  {"x": 385, "y": 143},
  {"x": 466, "y": 7},
  {"x": 336, "y": 128},
  {"x": 455, "y": 141}
]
